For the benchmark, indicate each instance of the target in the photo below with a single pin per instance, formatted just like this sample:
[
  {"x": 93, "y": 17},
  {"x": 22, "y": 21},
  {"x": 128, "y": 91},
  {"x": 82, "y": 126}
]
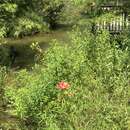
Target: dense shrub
[
  {"x": 28, "y": 27},
  {"x": 26, "y": 17},
  {"x": 81, "y": 86}
]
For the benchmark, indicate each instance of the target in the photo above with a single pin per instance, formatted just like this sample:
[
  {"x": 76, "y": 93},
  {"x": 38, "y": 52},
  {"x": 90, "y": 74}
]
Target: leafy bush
[
  {"x": 26, "y": 17},
  {"x": 27, "y": 27},
  {"x": 95, "y": 75},
  {"x": 52, "y": 10}
]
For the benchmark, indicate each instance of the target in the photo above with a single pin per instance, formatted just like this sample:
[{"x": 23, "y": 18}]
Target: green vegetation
[
  {"x": 21, "y": 18},
  {"x": 97, "y": 71},
  {"x": 78, "y": 83}
]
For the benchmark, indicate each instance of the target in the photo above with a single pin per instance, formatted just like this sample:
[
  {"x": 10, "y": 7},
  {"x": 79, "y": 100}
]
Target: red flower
[{"x": 63, "y": 85}]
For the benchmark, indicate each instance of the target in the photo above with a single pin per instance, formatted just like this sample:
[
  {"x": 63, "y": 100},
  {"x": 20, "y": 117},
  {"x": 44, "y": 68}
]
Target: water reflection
[{"x": 25, "y": 57}]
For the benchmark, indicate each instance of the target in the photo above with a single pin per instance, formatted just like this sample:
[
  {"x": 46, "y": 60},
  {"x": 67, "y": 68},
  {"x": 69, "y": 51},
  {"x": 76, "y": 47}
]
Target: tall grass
[{"x": 96, "y": 71}]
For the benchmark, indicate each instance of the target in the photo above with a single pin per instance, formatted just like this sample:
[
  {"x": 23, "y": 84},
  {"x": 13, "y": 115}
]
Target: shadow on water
[{"x": 25, "y": 55}]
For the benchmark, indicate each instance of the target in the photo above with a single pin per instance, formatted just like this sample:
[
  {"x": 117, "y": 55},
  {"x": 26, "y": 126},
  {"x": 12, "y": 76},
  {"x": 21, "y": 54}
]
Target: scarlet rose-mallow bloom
[{"x": 63, "y": 85}]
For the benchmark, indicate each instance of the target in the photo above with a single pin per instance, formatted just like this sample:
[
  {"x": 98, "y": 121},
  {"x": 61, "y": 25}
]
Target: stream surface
[{"x": 25, "y": 57}]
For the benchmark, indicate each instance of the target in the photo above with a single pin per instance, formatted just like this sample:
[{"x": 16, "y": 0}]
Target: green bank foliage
[
  {"x": 97, "y": 70},
  {"x": 19, "y": 18}
]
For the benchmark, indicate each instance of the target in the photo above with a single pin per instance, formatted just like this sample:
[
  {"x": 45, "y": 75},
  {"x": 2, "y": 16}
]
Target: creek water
[{"x": 25, "y": 55}]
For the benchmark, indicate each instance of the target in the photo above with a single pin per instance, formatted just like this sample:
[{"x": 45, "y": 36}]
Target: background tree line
[{"x": 25, "y": 17}]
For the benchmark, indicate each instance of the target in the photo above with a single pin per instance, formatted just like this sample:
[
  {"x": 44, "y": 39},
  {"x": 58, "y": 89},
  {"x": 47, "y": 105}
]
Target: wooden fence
[{"x": 115, "y": 25}]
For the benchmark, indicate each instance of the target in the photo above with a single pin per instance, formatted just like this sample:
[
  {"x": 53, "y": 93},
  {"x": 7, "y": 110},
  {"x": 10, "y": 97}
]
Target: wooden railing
[{"x": 115, "y": 25}]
